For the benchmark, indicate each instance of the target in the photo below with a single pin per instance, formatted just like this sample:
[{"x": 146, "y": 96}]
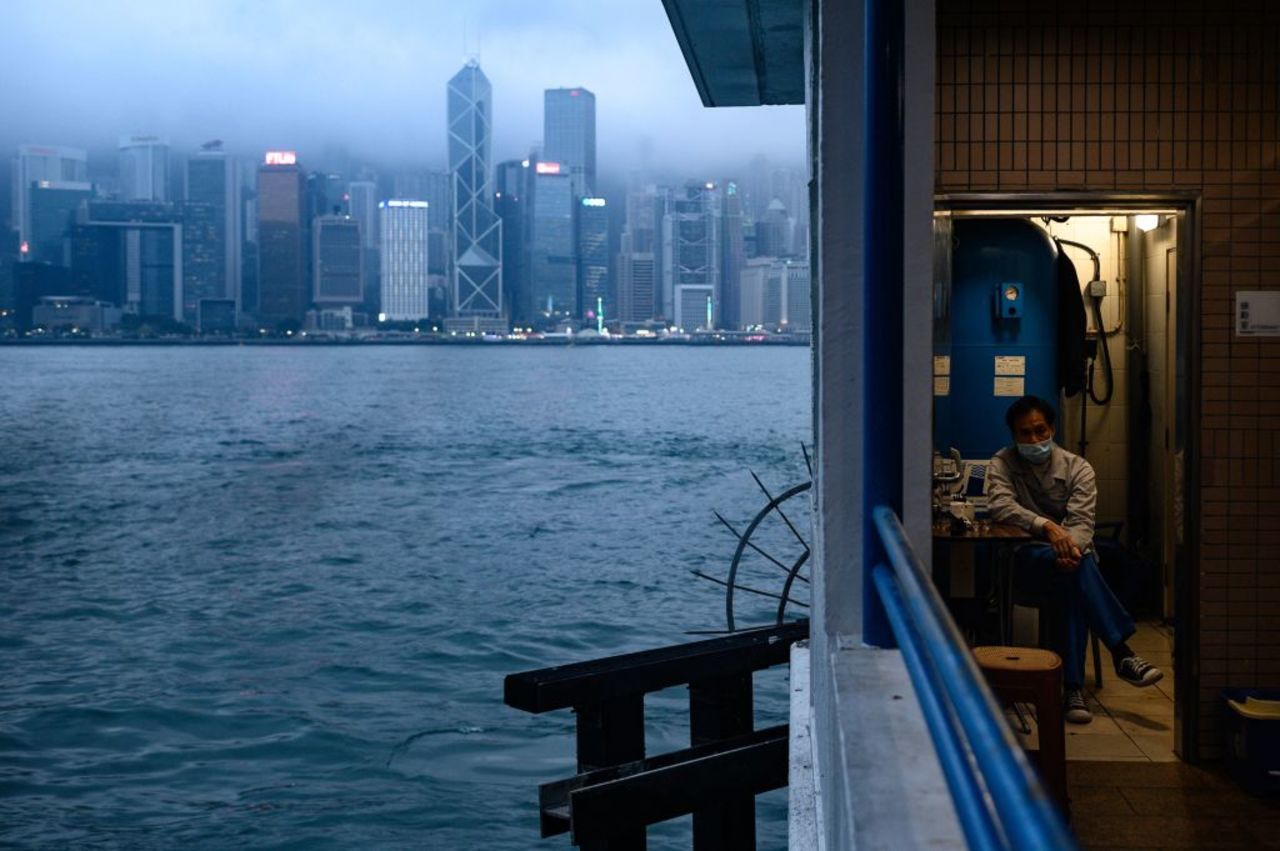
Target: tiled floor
[
  {"x": 1148, "y": 805},
  {"x": 1128, "y": 788},
  {"x": 1129, "y": 724}
]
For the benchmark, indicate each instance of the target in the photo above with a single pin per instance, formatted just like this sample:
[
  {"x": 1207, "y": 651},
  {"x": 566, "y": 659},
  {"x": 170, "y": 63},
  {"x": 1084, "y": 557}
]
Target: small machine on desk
[{"x": 959, "y": 493}]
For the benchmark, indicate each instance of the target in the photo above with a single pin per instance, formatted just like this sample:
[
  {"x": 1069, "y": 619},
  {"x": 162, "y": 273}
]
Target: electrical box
[
  {"x": 1009, "y": 301},
  {"x": 1097, "y": 289}
]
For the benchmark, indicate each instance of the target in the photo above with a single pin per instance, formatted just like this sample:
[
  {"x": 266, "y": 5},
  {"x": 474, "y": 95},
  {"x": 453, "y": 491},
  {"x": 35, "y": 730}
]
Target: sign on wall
[{"x": 1258, "y": 313}]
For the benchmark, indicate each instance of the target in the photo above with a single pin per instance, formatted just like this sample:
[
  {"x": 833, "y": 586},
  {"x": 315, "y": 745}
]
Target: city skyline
[
  {"x": 528, "y": 243},
  {"x": 254, "y": 77}
]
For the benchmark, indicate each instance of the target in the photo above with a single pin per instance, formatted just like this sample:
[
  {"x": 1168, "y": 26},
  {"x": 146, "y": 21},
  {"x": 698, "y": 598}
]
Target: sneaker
[
  {"x": 1076, "y": 707},
  {"x": 1137, "y": 671}
]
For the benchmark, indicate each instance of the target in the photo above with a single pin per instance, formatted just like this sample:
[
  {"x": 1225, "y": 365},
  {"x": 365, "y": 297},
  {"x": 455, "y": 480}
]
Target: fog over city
[{"x": 366, "y": 81}]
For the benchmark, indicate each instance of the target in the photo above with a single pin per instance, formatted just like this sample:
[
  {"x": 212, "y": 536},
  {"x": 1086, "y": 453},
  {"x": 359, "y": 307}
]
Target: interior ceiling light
[{"x": 1147, "y": 221}]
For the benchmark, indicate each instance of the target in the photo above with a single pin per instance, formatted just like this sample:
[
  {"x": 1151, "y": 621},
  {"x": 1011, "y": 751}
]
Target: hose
[{"x": 1107, "y": 373}]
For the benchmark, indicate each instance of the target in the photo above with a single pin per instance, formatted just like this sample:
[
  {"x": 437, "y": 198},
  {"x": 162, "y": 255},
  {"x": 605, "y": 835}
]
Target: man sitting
[{"x": 1041, "y": 487}]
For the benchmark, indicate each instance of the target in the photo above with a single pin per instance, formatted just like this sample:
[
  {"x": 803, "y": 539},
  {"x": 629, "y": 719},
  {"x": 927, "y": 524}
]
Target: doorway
[{"x": 1134, "y": 259}]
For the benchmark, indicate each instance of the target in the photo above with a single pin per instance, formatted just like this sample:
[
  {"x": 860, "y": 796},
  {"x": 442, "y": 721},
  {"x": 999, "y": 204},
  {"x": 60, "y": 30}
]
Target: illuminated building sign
[
  {"x": 548, "y": 168},
  {"x": 416, "y": 204},
  {"x": 281, "y": 158},
  {"x": 593, "y": 202}
]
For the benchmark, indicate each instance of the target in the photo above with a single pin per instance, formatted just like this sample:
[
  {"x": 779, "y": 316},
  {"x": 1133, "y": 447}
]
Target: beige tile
[
  {"x": 1143, "y": 723},
  {"x": 1148, "y": 639},
  {"x": 1156, "y": 748},
  {"x": 1107, "y": 748},
  {"x": 1116, "y": 693},
  {"x": 1101, "y": 725}
]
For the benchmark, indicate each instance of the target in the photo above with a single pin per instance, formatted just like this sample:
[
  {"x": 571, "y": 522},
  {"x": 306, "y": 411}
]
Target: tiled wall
[{"x": 1129, "y": 95}]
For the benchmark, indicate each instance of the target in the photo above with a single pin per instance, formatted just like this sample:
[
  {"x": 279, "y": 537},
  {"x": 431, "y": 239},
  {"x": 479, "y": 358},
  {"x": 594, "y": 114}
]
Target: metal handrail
[{"x": 999, "y": 799}]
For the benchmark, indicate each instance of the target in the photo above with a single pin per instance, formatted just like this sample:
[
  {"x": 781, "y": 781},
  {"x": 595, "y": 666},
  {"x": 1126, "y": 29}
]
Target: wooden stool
[{"x": 1031, "y": 675}]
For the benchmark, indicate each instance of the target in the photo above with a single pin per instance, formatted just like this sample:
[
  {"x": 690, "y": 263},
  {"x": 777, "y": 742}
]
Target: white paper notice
[
  {"x": 1011, "y": 365},
  {"x": 941, "y": 364},
  {"x": 942, "y": 385},
  {"x": 1008, "y": 385},
  {"x": 1257, "y": 313}
]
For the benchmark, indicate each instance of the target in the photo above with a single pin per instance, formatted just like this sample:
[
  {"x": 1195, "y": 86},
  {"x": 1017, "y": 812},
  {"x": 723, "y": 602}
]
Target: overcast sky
[{"x": 368, "y": 76}]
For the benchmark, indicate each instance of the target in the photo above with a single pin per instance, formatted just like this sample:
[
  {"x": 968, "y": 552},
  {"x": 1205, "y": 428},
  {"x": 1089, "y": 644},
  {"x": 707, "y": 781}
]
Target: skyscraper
[
  {"x": 213, "y": 180},
  {"x": 732, "y": 255},
  {"x": 691, "y": 255},
  {"x": 753, "y": 290},
  {"x": 282, "y": 282},
  {"x": 150, "y": 234},
  {"x": 477, "y": 230},
  {"x": 638, "y": 296},
  {"x": 569, "y": 135},
  {"x": 595, "y": 284},
  {"x": 51, "y": 165},
  {"x": 553, "y": 273},
  {"x": 362, "y": 201},
  {"x": 337, "y": 261},
  {"x": 799, "y": 316},
  {"x": 203, "y": 259},
  {"x": 432, "y": 187},
  {"x": 52, "y": 207},
  {"x": 144, "y": 168},
  {"x": 773, "y": 231},
  {"x": 363, "y": 204},
  {"x": 404, "y": 243},
  {"x": 640, "y": 255},
  {"x": 511, "y": 203}
]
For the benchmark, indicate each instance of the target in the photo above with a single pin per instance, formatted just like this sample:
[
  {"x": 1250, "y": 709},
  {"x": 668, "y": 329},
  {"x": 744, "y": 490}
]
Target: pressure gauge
[{"x": 1009, "y": 301}]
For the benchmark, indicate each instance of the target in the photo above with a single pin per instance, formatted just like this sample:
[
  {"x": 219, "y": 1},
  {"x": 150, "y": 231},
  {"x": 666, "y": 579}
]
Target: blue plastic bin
[{"x": 1253, "y": 738}]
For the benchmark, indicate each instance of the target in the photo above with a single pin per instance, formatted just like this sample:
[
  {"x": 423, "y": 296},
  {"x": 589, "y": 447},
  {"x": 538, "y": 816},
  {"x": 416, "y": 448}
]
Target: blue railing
[{"x": 999, "y": 799}]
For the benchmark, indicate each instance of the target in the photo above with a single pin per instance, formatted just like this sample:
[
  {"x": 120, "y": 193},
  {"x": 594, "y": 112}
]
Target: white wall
[{"x": 1106, "y": 427}]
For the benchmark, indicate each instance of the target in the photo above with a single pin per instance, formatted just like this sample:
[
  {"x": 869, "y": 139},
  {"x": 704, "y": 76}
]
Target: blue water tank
[{"x": 1003, "y": 332}]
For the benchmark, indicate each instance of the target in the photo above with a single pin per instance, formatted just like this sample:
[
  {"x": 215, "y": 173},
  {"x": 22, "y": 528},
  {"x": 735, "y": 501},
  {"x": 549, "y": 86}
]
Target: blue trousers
[{"x": 1081, "y": 600}]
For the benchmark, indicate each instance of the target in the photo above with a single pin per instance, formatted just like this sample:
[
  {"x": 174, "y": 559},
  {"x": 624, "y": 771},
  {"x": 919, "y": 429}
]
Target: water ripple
[{"x": 267, "y": 597}]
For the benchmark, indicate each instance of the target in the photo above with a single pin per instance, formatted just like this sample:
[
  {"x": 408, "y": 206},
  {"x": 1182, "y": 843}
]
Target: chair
[{"x": 1034, "y": 676}]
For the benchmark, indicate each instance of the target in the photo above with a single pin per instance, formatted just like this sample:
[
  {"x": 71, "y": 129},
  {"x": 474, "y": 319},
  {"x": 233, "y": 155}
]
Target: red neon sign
[
  {"x": 281, "y": 158},
  {"x": 548, "y": 168}
]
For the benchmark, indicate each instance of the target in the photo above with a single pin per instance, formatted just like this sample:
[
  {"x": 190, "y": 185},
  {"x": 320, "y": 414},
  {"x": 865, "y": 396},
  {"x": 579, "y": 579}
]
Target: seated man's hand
[{"x": 1068, "y": 554}]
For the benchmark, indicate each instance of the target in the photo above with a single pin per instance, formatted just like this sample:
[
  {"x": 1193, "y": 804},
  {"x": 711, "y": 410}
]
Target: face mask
[{"x": 1036, "y": 453}]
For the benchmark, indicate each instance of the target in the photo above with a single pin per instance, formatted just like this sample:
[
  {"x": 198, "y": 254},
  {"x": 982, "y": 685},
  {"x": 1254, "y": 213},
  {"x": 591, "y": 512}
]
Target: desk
[
  {"x": 984, "y": 531},
  {"x": 1003, "y": 537}
]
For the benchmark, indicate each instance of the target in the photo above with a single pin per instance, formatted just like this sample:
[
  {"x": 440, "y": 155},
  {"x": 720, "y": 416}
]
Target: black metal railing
[{"x": 618, "y": 791}]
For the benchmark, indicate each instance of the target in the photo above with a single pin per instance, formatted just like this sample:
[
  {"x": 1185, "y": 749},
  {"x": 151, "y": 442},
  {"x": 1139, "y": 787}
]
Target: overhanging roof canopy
[{"x": 742, "y": 52}]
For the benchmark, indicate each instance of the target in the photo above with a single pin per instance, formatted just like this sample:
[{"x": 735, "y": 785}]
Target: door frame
[{"x": 1187, "y": 206}]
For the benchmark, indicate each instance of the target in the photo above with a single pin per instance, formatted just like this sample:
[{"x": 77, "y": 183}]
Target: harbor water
[{"x": 266, "y": 596}]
